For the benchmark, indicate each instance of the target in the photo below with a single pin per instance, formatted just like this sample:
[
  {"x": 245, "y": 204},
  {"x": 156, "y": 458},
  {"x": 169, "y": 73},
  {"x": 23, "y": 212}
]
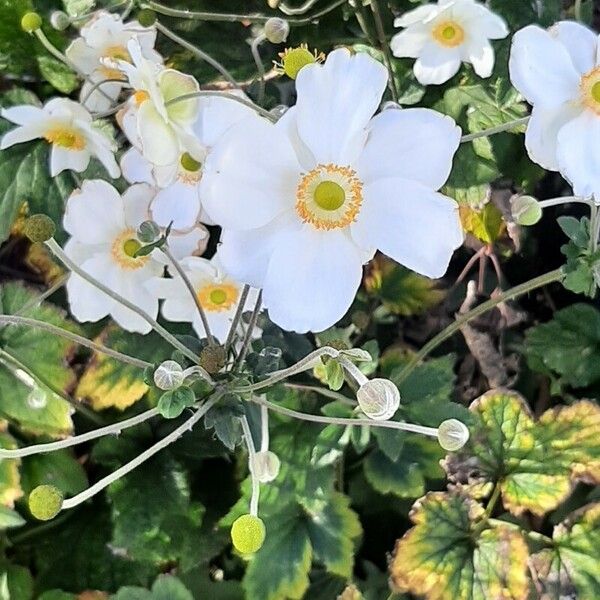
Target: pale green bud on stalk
[
  {"x": 60, "y": 20},
  {"x": 31, "y": 22},
  {"x": 277, "y": 30},
  {"x": 452, "y": 435},
  {"x": 148, "y": 232},
  {"x": 526, "y": 210},
  {"x": 266, "y": 466},
  {"x": 379, "y": 399}
]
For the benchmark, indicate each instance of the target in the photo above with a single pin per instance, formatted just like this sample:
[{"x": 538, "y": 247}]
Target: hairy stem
[
  {"x": 236, "y": 318},
  {"x": 256, "y": 42},
  {"x": 250, "y": 331},
  {"x": 384, "y": 46},
  {"x": 493, "y": 130},
  {"x": 251, "y": 454}
]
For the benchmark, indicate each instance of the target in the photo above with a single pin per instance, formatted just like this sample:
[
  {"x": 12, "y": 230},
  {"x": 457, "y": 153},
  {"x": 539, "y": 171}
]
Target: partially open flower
[{"x": 379, "y": 399}]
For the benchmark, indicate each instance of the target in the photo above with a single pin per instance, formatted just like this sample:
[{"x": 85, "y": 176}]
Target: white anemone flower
[
  {"x": 305, "y": 202},
  {"x": 69, "y": 128},
  {"x": 217, "y": 293},
  {"x": 103, "y": 227},
  {"x": 558, "y": 73},
  {"x": 179, "y": 198},
  {"x": 104, "y": 38},
  {"x": 160, "y": 125},
  {"x": 441, "y": 36}
]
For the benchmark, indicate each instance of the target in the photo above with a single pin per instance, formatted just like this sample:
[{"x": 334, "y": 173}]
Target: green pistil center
[{"x": 329, "y": 195}]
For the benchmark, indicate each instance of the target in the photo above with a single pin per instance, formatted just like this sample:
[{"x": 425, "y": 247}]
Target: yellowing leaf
[
  {"x": 535, "y": 464},
  {"x": 450, "y": 555},
  {"x": 486, "y": 224},
  {"x": 10, "y": 481},
  {"x": 107, "y": 382}
]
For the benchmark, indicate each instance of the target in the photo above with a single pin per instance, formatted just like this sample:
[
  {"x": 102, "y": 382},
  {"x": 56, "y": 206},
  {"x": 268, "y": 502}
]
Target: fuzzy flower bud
[
  {"x": 526, "y": 210},
  {"x": 30, "y": 22},
  {"x": 45, "y": 502},
  {"x": 248, "y": 534},
  {"x": 60, "y": 20},
  {"x": 266, "y": 466},
  {"x": 148, "y": 232},
  {"x": 452, "y": 435},
  {"x": 212, "y": 359},
  {"x": 39, "y": 228},
  {"x": 146, "y": 17},
  {"x": 379, "y": 399},
  {"x": 277, "y": 30},
  {"x": 169, "y": 376}
]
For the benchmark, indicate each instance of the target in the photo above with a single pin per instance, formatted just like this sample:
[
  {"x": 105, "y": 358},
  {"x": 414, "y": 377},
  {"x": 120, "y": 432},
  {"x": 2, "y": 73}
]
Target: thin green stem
[
  {"x": 60, "y": 254},
  {"x": 256, "y": 42},
  {"x": 384, "y": 46},
  {"x": 197, "y": 52},
  {"x": 113, "y": 429},
  {"x": 249, "y": 332},
  {"x": 577, "y": 11},
  {"x": 455, "y": 326},
  {"x": 141, "y": 458},
  {"x": 493, "y": 130},
  {"x": 231, "y": 17},
  {"x": 565, "y": 200},
  {"x": 208, "y": 93},
  {"x": 236, "y": 318},
  {"x": 78, "y": 339},
  {"x": 251, "y": 462},
  {"x": 193, "y": 294},
  {"x": 299, "y": 10},
  {"x": 35, "y": 302},
  {"x": 325, "y": 392}
]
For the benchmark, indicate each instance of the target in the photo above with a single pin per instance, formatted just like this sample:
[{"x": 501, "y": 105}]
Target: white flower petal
[
  {"x": 250, "y": 176},
  {"x": 63, "y": 158},
  {"x": 22, "y": 134},
  {"x": 410, "y": 42},
  {"x": 179, "y": 203},
  {"x": 132, "y": 288},
  {"x": 413, "y": 143},
  {"x": 541, "y": 136},
  {"x": 135, "y": 168},
  {"x": 481, "y": 56},
  {"x": 413, "y": 225},
  {"x": 335, "y": 102},
  {"x": 219, "y": 323},
  {"x": 136, "y": 204},
  {"x": 159, "y": 142},
  {"x": 25, "y": 114},
  {"x": 312, "y": 279},
  {"x": 417, "y": 15},
  {"x": 579, "y": 41},
  {"x": 436, "y": 64},
  {"x": 186, "y": 244},
  {"x": 94, "y": 214},
  {"x": 489, "y": 24},
  {"x": 533, "y": 50},
  {"x": 579, "y": 153}
]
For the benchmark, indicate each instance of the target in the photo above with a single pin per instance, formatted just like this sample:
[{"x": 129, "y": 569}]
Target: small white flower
[
  {"x": 104, "y": 39},
  {"x": 558, "y": 72},
  {"x": 305, "y": 202},
  {"x": 69, "y": 128},
  {"x": 103, "y": 227},
  {"x": 160, "y": 128},
  {"x": 179, "y": 199},
  {"x": 217, "y": 292},
  {"x": 441, "y": 36}
]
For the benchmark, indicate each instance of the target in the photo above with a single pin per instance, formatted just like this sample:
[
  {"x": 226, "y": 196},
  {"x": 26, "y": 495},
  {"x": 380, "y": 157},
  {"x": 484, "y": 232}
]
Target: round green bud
[
  {"x": 277, "y": 30},
  {"x": 526, "y": 210},
  {"x": 39, "y": 228},
  {"x": 452, "y": 435},
  {"x": 60, "y": 20},
  {"x": 45, "y": 502},
  {"x": 30, "y": 22},
  {"x": 148, "y": 232},
  {"x": 248, "y": 534},
  {"x": 146, "y": 17}
]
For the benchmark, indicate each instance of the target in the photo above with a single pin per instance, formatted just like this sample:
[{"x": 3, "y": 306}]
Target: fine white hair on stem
[{"x": 251, "y": 466}]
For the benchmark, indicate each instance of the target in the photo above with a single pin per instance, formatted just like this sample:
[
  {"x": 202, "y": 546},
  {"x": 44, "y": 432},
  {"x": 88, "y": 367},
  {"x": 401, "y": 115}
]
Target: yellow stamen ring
[
  {"x": 329, "y": 197},
  {"x": 65, "y": 137},
  {"x": 218, "y": 297},
  {"x": 590, "y": 90},
  {"x": 449, "y": 33},
  {"x": 123, "y": 251}
]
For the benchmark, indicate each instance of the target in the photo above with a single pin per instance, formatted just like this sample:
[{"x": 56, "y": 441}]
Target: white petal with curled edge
[
  {"x": 159, "y": 142},
  {"x": 415, "y": 226},
  {"x": 335, "y": 102},
  {"x": 135, "y": 168},
  {"x": 62, "y": 159},
  {"x": 533, "y": 49},
  {"x": 413, "y": 143},
  {"x": 579, "y": 41},
  {"x": 312, "y": 279},
  {"x": 178, "y": 204},
  {"x": 436, "y": 64},
  {"x": 136, "y": 204}
]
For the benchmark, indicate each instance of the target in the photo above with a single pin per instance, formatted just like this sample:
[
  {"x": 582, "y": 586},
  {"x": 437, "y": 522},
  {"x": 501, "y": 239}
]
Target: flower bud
[
  {"x": 379, "y": 399},
  {"x": 213, "y": 359},
  {"x": 146, "y": 17},
  {"x": 169, "y": 376},
  {"x": 30, "y": 22},
  {"x": 248, "y": 534},
  {"x": 60, "y": 20},
  {"x": 266, "y": 466},
  {"x": 277, "y": 30},
  {"x": 526, "y": 210},
  {"x": 452, "y": 435},
  {"x": 45, "y": 502},
  {"x": 39, "y": 228},
  {"x": 148, "y": 232},
  {"x": 273, "y": 3}
]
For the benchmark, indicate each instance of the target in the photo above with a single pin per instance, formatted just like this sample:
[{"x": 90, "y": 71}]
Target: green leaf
[
  {"x": 59, "y": 469},
  {"x": 16, "y": 583},
  {"x": 334, "y": 374},
  {"x": 30, "y": 359},
  {"x": 567, "y": 346},
  {"x": 534, "y": 464},
  {"x": 107, "y": 382},
  {"x": 150, "y": 526},
  {"x": 10, "y": 479},
  {"x": 166, "y": 587},
  {"x": 224, "y": 418},
  {"x": 571, "y": 567},
  {"x": 10, "y": 518},
  {"x": 59, "y": 75},
  {"x": 486, "y": 224},
  {"x": 448, "y": 554},
  {"x": 174, "y": 402}
]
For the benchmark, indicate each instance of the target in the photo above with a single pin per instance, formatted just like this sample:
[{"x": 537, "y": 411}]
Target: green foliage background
[{"x": 515, "y": 514}]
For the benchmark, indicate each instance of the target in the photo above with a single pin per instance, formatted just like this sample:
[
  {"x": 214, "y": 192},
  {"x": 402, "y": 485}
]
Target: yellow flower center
[
  {"x": 65, "y": 137},
  {"x": 124, "y": 248},
  {"x": 115, "y": 53},
  {"x": 329, "y": 197},
  {"x": 215, "y": 297},
  {"x": 140, "y": 97},
  {"x": 590, "y": 90},
  {"x": 449, "y": 33},
  {"x": 294, "y": 59}
]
